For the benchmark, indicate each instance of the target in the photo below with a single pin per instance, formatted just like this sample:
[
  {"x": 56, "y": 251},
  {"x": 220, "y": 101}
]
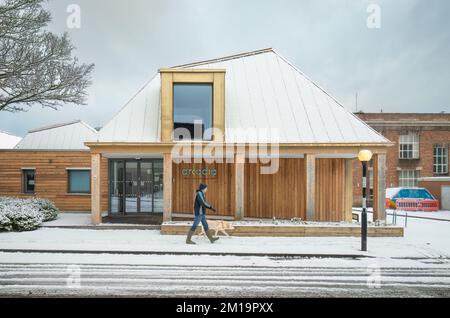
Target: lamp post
[{"x": 364, "y": 156}]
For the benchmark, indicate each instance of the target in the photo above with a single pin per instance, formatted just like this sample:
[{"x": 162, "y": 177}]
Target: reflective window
[
  {"x": 409, "y": 146},
  {"x": 192, "y": 111},
  {"x": 440, "y": 159},
  {"x": 408, "y": 178},
  {"x": 79, "y": 181},
  {"x": 28, "y": 176}
]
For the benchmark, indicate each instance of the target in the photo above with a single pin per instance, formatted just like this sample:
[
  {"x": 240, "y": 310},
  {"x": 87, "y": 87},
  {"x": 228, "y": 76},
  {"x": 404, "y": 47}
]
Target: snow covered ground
[
  {"x": 121, "y": 263},
  {"x": 423, "y": 238}
]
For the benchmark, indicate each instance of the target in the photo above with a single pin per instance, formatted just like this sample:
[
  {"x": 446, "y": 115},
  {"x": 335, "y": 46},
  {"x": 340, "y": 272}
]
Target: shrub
[
  {"x": 19, "y": 215},
  {"x": 5, "y": 222},
  {"x": 25, "y": 214},
  {"x": 47, "y": 208}
]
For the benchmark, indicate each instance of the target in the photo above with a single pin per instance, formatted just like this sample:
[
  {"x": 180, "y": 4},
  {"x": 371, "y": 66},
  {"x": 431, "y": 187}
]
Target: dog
[{"x": 218, "y": 226}]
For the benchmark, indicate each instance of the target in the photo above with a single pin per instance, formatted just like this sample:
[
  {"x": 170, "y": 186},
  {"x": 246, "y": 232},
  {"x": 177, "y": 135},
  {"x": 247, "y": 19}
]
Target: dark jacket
[{"x": 200, "y": 203}]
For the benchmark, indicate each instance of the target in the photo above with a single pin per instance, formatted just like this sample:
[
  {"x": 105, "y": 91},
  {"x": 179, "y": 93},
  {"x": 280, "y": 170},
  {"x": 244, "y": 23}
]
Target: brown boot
[
  {"x": 189, "y": 236},
  {"x": 212, "y": 239}
]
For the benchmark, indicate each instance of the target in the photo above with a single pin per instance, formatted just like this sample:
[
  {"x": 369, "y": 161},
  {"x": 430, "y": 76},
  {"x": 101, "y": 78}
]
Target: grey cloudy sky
[{"x": 402, "y": 67}]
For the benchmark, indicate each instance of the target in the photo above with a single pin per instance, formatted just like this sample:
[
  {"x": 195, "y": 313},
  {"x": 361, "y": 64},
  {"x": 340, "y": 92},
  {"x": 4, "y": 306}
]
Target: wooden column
[
  {"x": 348, "y": 186},
  {"x": 166, "y": 107},
  {"x": 310, "y": 169},
  {"x": 379, "y": 186},
  {"x": 167, "y": 183},
  {"x": 239, "y": 165},
  {"x": 96, "y": 208}
]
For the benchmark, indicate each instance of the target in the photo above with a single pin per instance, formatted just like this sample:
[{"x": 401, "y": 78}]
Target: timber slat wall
[
  {"x": 220, "y": 191},
  {"x": 330, "y": 190},
  {"x": 280, "y": 195},
  {"x": 51, "y": 176}
]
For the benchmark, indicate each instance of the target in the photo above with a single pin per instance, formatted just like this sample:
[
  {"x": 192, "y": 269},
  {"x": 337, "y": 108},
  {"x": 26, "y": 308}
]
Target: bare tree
[{"x": 37, "y": 66}]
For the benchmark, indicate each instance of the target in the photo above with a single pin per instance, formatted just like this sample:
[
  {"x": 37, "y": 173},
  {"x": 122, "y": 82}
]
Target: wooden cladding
[
  {"x": 51, "y": 177},
  {"x": 330, "y": 190},
  {"x": 280, "y": 195},
  {"x": 283, "y": 195},
  {"x": 220, "y": 193}
]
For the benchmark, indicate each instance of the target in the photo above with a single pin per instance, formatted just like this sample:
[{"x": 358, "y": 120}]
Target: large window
[
  {"x": 79, "y": 181},
  {"x": 28, "y": 180},
  {"x": 192, "y": 111},
  {"x": 409, "y": 146},
  {"x": 408, "y": 178},
  {"x": 440, "y": 159}
]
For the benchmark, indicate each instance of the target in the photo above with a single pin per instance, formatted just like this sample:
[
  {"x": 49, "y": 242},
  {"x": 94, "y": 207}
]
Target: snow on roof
[
  {"x": 263, "y": 91},
  {"x": 8, "y": 141},
  {"x": 64, "y": 136}
]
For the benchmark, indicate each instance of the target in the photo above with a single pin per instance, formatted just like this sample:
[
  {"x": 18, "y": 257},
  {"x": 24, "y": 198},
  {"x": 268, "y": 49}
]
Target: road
[{"x": 52, "y": 279}]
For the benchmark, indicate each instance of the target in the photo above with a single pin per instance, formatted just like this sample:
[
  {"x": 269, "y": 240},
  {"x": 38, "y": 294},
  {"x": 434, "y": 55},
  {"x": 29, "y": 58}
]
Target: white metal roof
[
  {"x": 8, "y": 141},
  {"x": 65, "y": 136},
  {"x": 139, "y": 119},
  {"x": 262, "y": 91}
]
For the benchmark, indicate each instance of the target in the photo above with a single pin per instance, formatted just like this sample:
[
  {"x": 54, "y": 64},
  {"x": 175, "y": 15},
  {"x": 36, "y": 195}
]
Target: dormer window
[
  {"x": 192, "y": 104},
  {"x": 192, "y": 111}
]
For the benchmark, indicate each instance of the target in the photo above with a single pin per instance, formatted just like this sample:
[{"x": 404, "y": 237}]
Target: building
[
  {"x": 51, "y": 162},
  {"x": 420, "y": 153},
  {"x": 267, "y": 140},
  {"x": 8, "y": 141}
]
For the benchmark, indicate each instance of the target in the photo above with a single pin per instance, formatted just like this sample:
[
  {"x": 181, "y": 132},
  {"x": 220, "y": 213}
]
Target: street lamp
[{"x": 364, "y": 156}]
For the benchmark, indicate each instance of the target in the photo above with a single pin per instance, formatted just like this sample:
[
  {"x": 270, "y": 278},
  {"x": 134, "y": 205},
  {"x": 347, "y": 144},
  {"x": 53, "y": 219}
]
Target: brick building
[{"x": 421, "y": 148}]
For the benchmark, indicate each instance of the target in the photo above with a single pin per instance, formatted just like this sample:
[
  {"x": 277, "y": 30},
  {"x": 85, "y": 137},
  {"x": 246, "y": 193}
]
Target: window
[
  {"x": 79, "y": 181},
  {"x": 192, "y": 111},
  {"x": 413, "y": 194},
  {"x": 408, "y": 178},
  {"x": 28, "y": 178},
  {"x": 409, "y": 146},
  {"x": 440, "y": 159}
]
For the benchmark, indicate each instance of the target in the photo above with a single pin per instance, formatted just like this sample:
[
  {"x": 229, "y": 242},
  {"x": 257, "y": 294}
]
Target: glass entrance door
[
  {"x": 146, "y": 186},
  {"x": 131, "y": 186},
  {"x": 135, "y": 186}
]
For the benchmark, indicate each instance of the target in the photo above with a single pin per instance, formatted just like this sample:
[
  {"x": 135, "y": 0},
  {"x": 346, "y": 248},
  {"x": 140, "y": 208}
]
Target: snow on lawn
[
  {"x": 423, "y": 239},
  {"x": 70, "y": 219}
]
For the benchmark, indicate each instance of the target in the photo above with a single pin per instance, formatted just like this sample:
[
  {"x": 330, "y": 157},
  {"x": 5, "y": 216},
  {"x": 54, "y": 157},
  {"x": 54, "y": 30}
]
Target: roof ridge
[
  {"x": 225, "y": 58},
  {"x": 54, "y": 126},
  {"x": 88, "y": 126}
]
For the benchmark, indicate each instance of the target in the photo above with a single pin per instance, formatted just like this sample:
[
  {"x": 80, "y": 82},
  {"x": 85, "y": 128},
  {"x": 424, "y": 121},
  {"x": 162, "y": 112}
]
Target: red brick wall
[
  {"x": 428, "y": 136},
  {"x": 435, "y": 188}
]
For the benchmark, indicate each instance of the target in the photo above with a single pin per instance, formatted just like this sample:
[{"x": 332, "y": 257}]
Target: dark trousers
[{"x": 200, "y": 218}]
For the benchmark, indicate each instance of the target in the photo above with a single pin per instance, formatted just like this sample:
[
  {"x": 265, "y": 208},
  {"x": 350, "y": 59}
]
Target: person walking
[{"x": 200, "y": 206}]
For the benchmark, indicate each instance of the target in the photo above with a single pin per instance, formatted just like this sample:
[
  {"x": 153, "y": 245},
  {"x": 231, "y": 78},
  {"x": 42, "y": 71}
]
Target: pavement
[{"x": 63, "y": 262}]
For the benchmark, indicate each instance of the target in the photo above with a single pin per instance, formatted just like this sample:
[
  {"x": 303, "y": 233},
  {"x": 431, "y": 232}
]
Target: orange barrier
[
  {"x": 407, "y": 204},
  {"x": 429, "y": 205},
  {"x": 417, "y": 205}
]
